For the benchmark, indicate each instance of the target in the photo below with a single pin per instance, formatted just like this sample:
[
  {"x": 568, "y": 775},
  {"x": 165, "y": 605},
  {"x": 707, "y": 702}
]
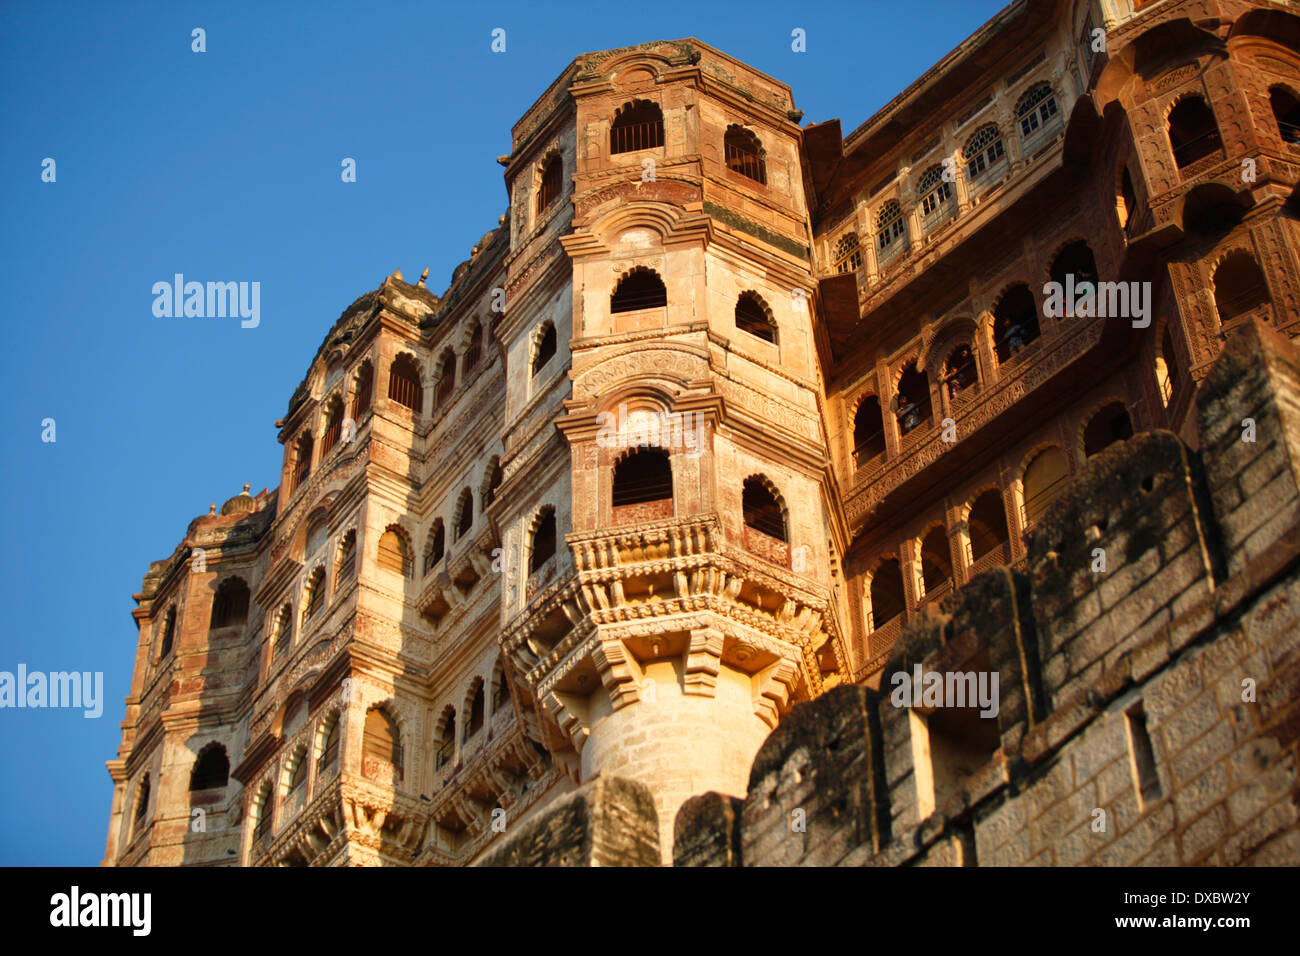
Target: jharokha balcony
[
  {"x": 879, "y": 474},
  {"x": 676, "y": 586}
]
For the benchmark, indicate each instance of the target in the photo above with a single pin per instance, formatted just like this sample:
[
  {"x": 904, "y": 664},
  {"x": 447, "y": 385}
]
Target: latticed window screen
[
  {"x": 937, "y": 199},
  {"x": 848, "y": 253},
  {"x": 984, "y": 151},
  {"x": 891, "y": 231},
  {"x": 1037, "y": 112}
]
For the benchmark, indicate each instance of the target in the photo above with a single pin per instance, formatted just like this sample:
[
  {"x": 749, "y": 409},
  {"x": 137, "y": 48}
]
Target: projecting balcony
[{"x": 973, "y": 409}]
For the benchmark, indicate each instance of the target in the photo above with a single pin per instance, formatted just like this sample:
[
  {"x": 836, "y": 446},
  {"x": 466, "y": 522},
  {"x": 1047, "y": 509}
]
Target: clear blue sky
[{"x": 225, "y": 166}]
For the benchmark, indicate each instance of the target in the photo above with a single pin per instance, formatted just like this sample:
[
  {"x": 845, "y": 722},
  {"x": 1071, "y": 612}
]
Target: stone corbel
[
  {"x": 618, "y": 672},
  {"x": 703, "y": 662},
  {"x": 772, "y": 688},
  {"x": 565, "y": 720}
]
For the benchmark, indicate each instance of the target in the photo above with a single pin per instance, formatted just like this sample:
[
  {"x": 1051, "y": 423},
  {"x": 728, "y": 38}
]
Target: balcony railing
[{"x": 998, "y": 557}]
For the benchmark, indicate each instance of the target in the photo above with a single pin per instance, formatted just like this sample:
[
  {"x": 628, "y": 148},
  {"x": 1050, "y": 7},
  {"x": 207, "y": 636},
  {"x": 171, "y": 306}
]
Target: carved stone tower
[{"x": 690, "y": 477}]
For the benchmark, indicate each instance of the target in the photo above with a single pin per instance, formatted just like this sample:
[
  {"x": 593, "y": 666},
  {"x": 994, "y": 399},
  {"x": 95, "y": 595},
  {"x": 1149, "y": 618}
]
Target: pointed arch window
[{"x": 744, "y": 154}]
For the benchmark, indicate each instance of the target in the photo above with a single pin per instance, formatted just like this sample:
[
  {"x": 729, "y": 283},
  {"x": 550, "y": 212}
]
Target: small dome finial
[
  {"x": 212, "y": 508},
  {"x": 245, "y": 487},
  {"x": 423, "y": 275}
]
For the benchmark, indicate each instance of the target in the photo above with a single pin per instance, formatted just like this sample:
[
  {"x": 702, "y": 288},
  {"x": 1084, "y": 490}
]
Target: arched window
[
  {"x": 936, "y": 562},
  {"x": 314, "y": 598},
  {"x": 446, "y": 738},
  {"x": 891, "y": 232},
  {"x": 1075, "y": 260},
  {"x": 476, "y": 708},
  {"x": 552, "y": 183},
  {"x": 142, "y": 800},
  {"x": 473, "y": 350},
  {"x": 433, "y": 549},
  {"x": 333, "y": 425},
  {"x": 644, "y": 475},
  {"x": 985, "y": 155},
  {"x": 1045, "y": 477},
  {"x": 1127, "y": 200},
  {"x": 404, "y": 383},
  {"x": 168, "y": 633},
  {"x": 394, "y": 555},
  {"x": 230, "y": 606},
  {"x": 260, "y": 812},
  {"x": 302, "y": 460},
  {"x": 639, "y": 289},
  {"x": 848, "y": 254},
  {"x": 329, "y": 746},
  {"x": 347, "y": 556},
  {"x": 282, "y": 629},
  {"x": 1038, "y": 116},
  {"x": 545, "y": 348},
  {"x": 1286, "y": 111},
  {"x": 987, "y": 525},
  {"x": 637, "y": 125},
  {"x": 1239, "y": 287},
  {"x": 296, "y": 776},
  {"x": 752, "y": 316},
  {"x": 887, "y": 595},
  {"x": 868, "y": 431},
  {"x": 446, "y": 378},
  {"x": 1015, "y": 322},
  {"x": 317, "y": 532},
  {"x": 913, "y": 399},
  {"x": 1166, "y": 367},
  {"x": 744, "y": 154},
  {"x": 381, "y": 741},
  {"x": 211, "y": 769},
  {"x": 500, "y": 689},
  {"x": 762, "y": 510},
  {"x": 542, "y": 546},
  {"x": 938, "y": 201},
  {"x": 960, "y": 372},
  {"x": 491, "y": 482},
  {"x": 365, "y": 385},
  {"x": 1109, "y": 425},
  {"x": 464, "y": 515},
  {"x": 1193, "y": 133}
]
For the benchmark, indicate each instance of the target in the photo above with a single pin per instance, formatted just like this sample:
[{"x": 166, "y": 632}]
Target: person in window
[
  {"x": 1015, "y": 339},
  {"x": 909, "y": 415}
]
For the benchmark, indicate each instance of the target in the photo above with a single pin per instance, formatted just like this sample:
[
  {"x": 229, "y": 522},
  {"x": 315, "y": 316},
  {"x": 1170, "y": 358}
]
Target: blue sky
[{"x": 224, "y": 166}]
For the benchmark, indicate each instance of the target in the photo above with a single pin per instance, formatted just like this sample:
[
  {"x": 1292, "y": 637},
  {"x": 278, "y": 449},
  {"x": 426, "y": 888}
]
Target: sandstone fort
[{"x": 474, "y": 622}]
